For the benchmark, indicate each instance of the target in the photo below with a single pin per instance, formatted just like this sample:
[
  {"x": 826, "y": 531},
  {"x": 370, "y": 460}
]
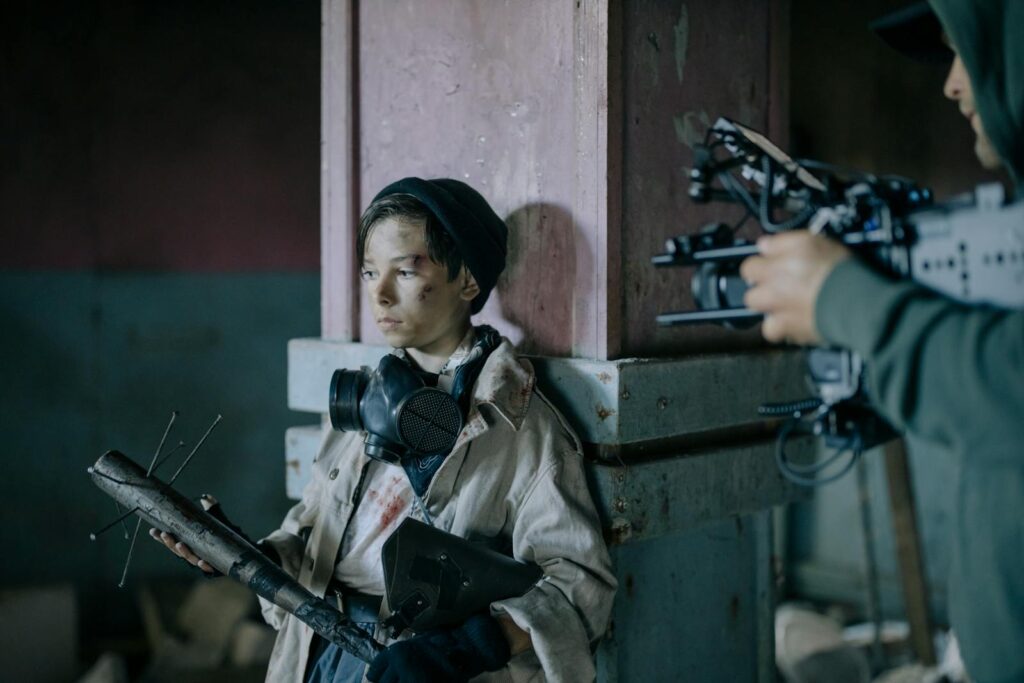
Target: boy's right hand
[{"x": 182, "y": 550}]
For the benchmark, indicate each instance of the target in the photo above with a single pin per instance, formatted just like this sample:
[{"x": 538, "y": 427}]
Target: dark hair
[{"x": 441, "y": 247}]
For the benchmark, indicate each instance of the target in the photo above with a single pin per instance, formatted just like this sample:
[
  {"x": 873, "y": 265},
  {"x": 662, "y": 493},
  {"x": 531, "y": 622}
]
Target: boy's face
[{"x": 414, "y": 304}]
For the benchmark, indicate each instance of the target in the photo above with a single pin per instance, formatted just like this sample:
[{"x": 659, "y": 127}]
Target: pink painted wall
[{"x": 482, "y": 92}]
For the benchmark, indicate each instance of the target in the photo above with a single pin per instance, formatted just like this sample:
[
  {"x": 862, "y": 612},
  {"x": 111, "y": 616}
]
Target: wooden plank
[
  {"x": 685, "y": 64},
  {"x": 339, "y": 177},
  {"x": 908, "y": 550},
  {"x": 597, "y": 94},
  {"x": 647, "y": 500},
  {"x": 482, "y": 92},
  {"x": 311, "y": 362},
  {"x": 765, "y": 599}
]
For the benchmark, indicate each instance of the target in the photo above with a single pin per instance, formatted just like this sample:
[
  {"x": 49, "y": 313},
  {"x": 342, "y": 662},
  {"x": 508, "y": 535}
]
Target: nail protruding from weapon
[
  {"x": 174, "y": 416},
  {"x": 94, "y": 535},
  {"x": 124, "y": 525},
  {"x": 181, "y": 444},
  {"x": 198, "y": 446},
  {"x": 131, "y": 549}
]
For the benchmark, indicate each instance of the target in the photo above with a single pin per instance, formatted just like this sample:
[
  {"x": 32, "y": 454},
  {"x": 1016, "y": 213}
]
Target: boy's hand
[
  {"x": 182, "y": 550},
  {"x": 455, "y": 654}
]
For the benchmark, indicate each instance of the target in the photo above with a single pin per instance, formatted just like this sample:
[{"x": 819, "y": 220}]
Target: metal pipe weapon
[{"x": 160, "y": 505}]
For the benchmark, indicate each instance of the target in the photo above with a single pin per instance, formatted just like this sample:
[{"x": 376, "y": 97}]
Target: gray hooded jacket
[{"x": 952, "y": 376}]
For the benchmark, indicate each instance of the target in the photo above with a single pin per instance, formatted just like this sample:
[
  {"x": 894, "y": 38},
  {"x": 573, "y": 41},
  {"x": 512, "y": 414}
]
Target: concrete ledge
[
  {"x": 671, "y": 495},
  {"x": 609, "y": 403}
]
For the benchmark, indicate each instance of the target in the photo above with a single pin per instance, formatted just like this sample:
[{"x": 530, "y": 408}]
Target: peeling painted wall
[
  {"x": 482, "y": 92},
  {"x": 577, "y": 122},
  {"x": 685, "y": 64}
]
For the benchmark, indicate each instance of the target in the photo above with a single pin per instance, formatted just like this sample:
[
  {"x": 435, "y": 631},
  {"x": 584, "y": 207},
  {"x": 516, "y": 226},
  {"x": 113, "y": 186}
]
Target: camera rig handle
[{"x": 717, "y": 286}]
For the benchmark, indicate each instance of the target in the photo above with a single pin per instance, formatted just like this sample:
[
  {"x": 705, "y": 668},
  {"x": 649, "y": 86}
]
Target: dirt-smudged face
[{"x": 414, "y": 304}]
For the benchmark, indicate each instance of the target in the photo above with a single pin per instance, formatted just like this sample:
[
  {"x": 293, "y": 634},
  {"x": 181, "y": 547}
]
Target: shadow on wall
[{"x": 538, "y": 286}]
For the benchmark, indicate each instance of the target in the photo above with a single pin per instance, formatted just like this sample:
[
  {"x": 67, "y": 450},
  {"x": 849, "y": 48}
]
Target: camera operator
[{"x": 947, "y": 374}]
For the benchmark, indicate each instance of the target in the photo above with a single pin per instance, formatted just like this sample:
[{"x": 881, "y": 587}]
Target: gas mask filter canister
[{"x": 399, "y": 412}]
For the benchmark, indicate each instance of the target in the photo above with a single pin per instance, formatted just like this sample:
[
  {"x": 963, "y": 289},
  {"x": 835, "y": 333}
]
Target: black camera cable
[{"x": 806, "y": 475}]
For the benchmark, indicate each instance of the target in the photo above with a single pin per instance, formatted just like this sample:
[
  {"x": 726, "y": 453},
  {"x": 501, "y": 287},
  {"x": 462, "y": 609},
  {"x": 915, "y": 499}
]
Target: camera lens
[{"x": 718, "y": 286}]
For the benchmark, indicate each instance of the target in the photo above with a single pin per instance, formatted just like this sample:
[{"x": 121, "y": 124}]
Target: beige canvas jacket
[{"x": 516, "y": 471}]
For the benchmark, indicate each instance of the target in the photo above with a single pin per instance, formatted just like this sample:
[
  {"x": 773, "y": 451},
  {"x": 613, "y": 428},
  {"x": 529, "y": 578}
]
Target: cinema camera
[{"x": 970, "y": 249}]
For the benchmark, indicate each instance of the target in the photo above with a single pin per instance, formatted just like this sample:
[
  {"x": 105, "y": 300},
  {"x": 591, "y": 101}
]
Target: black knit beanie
[{"x": 481, "y": 237}]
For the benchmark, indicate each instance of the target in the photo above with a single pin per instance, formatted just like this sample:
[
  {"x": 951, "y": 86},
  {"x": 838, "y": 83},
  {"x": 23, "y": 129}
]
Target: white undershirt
[{"x": 387, "y": 500}]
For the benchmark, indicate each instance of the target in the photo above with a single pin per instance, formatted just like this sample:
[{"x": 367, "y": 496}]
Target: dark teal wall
[
  {"x": 159, "y": 217},
  {"x": 98, "y": 361}
]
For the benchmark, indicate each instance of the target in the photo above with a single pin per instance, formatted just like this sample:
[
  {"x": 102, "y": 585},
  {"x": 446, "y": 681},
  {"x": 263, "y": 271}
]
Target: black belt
[{"x": 359, "y": 607}]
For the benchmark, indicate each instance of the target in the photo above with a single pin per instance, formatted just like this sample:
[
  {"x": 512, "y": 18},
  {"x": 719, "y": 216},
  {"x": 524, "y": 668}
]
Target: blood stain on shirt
[{"x": 391, "y": 511}]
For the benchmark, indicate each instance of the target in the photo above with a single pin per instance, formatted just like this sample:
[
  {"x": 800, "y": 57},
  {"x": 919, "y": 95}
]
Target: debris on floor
[
  {"x": 39, "y": 634},
  {"x": 109, "y": 668},
  {"x": 812, "y": 647},
  {"x": 209, "y": 630},
  {"x": 809, "y": 648}
]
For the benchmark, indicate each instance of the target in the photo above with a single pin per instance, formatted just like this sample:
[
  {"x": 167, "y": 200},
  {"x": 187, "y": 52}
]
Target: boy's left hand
[{"x": 455, "y": 654}]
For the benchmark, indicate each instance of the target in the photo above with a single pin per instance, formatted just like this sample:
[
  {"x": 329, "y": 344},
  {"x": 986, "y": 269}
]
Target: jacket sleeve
[
  {"x": 558, "y": 529},
  {"x": 948, "y": 372}
]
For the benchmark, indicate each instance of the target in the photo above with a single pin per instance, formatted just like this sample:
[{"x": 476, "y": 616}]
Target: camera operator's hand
[{"x": 785, "y": 280}]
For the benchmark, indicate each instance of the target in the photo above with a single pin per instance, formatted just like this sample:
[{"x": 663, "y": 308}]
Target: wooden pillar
[
  {"x": 908, "y": 550},
  {"x": 575, "y": 119},
  {"x": 597, "y": 107}
]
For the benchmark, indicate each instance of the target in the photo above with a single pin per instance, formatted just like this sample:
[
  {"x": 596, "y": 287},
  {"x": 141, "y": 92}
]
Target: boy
[{"x": 430, "y": 252}]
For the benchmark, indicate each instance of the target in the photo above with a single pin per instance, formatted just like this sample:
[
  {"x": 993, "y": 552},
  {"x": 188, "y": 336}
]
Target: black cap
[
  {"x": 480, "y": 235},
  {"x": 914, "y": 31}
]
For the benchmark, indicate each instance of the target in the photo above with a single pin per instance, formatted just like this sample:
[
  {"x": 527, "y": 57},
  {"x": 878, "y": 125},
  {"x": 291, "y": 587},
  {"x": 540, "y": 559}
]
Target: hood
[{"x": 989, "y": 35}]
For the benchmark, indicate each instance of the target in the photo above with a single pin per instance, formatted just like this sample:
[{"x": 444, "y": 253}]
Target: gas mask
[{"x": 400, "y": 413}]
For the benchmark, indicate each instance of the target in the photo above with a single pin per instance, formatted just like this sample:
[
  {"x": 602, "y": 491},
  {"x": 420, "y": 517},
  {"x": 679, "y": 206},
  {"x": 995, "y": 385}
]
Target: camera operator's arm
[{"x": 945, "y": 371}]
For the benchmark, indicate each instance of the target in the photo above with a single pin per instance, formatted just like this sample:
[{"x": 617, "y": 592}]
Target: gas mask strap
[
  {"x": 419, "y": 501},
  {"x": 487, "y": 339}
]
